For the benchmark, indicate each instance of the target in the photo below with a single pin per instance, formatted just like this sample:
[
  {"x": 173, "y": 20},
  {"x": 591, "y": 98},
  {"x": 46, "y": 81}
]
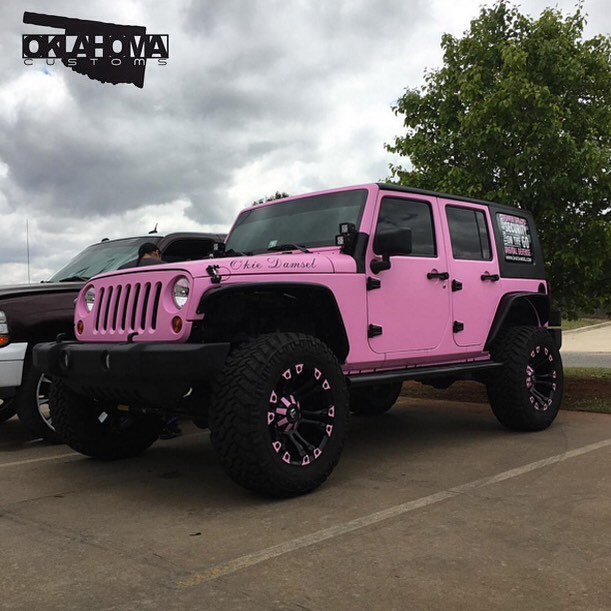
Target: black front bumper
[{"x": 154, "y": 373}]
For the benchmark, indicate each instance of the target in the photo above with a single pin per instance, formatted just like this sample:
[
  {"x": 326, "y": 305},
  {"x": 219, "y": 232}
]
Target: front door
[{"x": 410, "y": 311}]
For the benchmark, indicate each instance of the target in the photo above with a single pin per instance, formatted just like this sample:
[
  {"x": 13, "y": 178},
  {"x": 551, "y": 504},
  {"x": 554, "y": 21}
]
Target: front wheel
[
  {"x": 7, "y": 409},
  {"x": 279, "y": 414},
  {"x": 32, "y": 403},
  {"x": 100, "y": 429},
  {"x": 526, "y": 392}
]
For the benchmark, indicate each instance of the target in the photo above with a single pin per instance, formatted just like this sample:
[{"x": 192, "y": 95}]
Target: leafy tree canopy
[{"x": 520, "y": 113}]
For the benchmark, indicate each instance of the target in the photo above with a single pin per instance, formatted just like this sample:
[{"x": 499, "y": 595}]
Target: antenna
[
  {"x": 27, "y": 242},
  {"x": 154, "y": 230}
]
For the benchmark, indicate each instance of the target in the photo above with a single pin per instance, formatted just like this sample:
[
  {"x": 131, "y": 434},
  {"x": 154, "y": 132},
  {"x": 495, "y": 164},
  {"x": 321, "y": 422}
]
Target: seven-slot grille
[{"x": 128, "y": 308}]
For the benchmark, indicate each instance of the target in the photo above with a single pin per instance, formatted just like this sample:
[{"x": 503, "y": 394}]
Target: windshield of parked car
[
  {"x": 304, "y": 222},
  {"x": 103, "y": 257}
]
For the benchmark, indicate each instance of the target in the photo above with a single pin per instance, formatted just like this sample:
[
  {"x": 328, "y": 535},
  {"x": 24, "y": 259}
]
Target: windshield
[
  {"x": 307, "y": 222},
  {"x": 102, "y": 257}
]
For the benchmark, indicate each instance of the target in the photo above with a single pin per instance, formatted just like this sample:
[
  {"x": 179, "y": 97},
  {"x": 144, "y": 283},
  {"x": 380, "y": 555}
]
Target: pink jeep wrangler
[{"x": 315, "y": 306}]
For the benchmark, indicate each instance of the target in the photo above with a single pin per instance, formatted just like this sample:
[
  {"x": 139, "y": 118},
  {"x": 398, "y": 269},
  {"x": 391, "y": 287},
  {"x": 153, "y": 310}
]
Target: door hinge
[
  {"x": 374, "y": 330},
  {"x": 458, "y": 326},
  {"x": 456, "y": 285},
  {"x": 373, "y": 283}
]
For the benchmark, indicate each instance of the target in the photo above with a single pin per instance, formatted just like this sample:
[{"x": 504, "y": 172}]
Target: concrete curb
[{"x": 588, "y": 328}]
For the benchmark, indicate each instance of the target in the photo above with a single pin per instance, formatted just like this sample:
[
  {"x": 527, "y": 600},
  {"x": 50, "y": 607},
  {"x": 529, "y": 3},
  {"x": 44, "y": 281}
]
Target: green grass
[
  {"x": 593, "y": 373},
  {"x": 570, "y": 325},
  {"x": 587, "y": 389}
]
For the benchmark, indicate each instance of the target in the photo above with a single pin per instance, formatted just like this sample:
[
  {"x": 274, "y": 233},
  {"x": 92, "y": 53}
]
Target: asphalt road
[
  {"x": 587, "y": 347},
  {"x": 433, "y": 506},
  {"x": 587, "y": 359}
]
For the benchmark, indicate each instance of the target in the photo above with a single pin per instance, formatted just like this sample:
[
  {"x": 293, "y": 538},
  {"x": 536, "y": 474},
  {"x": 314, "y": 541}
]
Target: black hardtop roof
[
  {"x": 156, "y": 237},
  {"x": 386, "y": 186}
]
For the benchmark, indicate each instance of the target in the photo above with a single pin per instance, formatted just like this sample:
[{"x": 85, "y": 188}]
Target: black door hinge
[
  {"x": 373, "y": 283},
  {"x": 456, "y": 285},
  {"x": 374, "y": 330},
  {"x": 458, "y": 326},
  {"x": 213, "y": 272}
]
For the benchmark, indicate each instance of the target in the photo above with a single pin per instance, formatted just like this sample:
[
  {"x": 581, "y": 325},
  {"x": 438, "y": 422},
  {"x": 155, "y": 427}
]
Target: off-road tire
[
  {"x": 374, "y": 400},
  {"x": 99, "y": 429},
  {"x": 29, "y": 402},
  {"x": 525, "y": 394},
  {"x": 280, "y": 388},
  {"x": 7, "y": 409}
]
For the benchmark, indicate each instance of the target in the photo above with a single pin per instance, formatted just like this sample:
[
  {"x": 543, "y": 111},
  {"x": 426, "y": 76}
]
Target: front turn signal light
[{"x": 177, "y": 324}]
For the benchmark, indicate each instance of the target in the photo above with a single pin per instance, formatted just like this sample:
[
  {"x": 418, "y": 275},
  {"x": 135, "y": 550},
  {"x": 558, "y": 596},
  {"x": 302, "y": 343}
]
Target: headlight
[
  {"x": 90, "y": 298},
  {"x": 181, "y": 291}
]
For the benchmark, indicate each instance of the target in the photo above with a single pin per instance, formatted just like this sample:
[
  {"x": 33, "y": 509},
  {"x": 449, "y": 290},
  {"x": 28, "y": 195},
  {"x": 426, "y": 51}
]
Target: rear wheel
[
  {"x": 279, "y": 413},
  {"x": 374, "y": 400},
  {"x": 525, "y": 394},
  {"x": 100, "y": 429}
]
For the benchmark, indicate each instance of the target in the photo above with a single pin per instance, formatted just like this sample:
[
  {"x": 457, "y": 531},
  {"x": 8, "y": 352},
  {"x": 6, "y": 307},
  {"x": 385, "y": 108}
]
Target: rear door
[{"x": 474, "y": 271}]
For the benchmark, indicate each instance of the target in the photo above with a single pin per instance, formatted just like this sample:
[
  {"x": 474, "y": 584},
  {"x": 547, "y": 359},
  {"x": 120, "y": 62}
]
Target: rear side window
[
  {"x": 469, "y": 234},
  {"x": 415, "y": 215},
  {"x": 517, "y": 240},
  {"x": 187, "y": 249}
]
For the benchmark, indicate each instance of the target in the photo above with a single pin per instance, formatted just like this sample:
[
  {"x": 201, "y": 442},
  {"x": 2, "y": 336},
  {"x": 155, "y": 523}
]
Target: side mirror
[{"x": 395, "y": 241}]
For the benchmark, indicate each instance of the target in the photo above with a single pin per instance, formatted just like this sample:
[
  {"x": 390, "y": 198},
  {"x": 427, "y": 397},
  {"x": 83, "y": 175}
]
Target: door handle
[
  {"x": 491, "y": 277},
  {"x": 438, "y": 275}
]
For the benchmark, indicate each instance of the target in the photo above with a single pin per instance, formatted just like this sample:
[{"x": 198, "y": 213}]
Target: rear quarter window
[{"x": 517, "y": 245}]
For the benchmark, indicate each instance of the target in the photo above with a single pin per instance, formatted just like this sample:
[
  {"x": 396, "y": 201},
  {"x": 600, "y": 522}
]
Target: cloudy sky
[{"x": 257, "y": 96}]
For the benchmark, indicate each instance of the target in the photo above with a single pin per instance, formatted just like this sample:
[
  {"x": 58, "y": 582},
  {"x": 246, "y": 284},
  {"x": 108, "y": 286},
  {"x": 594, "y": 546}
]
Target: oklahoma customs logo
[{"x": 105, "y": 52}]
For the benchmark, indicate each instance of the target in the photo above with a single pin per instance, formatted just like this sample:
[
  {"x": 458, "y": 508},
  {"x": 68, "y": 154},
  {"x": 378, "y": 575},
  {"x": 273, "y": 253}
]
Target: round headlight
[
  {"x": 181, "y": 291},
  {"x": 90, "y": 298}
]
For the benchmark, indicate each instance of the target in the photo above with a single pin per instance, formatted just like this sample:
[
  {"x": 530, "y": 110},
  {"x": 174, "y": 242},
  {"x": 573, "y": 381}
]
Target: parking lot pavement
[
  {"x": 594, "y": 339},
  {"x": 433, "y": 506},
  {"x": 587, "y": 347}
]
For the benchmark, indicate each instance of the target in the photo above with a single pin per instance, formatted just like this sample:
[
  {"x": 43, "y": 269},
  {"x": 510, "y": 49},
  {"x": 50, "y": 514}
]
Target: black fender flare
[
  {"x": 342, "y": 346},
  {"x": 537, "y": 303}
]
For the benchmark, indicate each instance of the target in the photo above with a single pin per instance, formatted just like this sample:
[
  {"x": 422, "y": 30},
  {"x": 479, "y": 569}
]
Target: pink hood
[{"x": 316, "y": 262}]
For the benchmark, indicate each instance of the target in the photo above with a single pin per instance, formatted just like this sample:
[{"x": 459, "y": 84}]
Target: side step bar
[{"x": 460, "y": 370}]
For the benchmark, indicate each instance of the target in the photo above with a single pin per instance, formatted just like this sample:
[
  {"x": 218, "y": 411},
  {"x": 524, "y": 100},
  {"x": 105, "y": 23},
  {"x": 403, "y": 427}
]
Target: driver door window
[{"x": 415, "y": 215}]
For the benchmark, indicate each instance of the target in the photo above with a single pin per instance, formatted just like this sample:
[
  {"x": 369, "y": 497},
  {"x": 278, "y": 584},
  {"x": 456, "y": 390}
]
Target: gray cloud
[{"x": 256, "y": 97}]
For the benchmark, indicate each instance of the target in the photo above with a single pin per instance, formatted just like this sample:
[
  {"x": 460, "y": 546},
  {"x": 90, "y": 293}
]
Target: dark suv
[{"x": 30, "y": 313}]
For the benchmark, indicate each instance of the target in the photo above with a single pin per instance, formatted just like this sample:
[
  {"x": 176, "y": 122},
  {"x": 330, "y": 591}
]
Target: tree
[
  {"x": 520, "y": 113},
  {"x": 270, "y": 198}
]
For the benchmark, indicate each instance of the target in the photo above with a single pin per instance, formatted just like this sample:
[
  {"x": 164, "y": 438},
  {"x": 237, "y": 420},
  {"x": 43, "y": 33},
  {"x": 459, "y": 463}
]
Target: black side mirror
[{"x": 395, "y": 241}]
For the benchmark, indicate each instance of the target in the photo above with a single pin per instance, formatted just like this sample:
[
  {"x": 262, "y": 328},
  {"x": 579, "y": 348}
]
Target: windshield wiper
[
  {"x": 74, "y": 279},
  {"x": 289, "y": 246}
]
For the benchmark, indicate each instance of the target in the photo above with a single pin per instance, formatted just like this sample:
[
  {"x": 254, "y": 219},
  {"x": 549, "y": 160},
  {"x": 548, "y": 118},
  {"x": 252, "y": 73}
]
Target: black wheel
[
  {"x": 7, "y": 409},
  {"x": 278, "y": 414},
  {"x": 374, "y": 400},
  {"x": 100, "y": 429},
  {"x": 525, "y": 394},
  {"x": 32, "y": 403}
]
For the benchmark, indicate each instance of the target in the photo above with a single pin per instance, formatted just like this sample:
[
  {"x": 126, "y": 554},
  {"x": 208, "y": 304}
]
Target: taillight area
[{"x": 5, "y": 339}]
